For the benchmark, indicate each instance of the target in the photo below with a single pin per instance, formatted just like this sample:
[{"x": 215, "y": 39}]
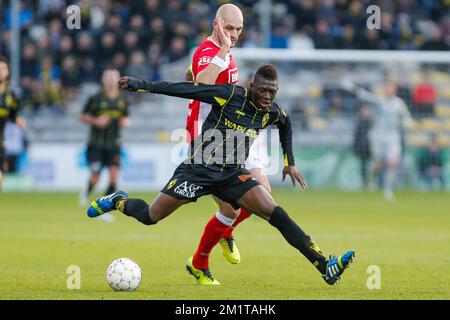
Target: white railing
[{"x": 259, "y": 54}]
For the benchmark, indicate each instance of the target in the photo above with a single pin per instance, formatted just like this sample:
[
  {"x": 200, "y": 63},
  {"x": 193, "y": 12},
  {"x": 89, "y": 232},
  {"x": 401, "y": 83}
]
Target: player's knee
[
  {"x": 156, "y": 214},
  {"x": 265, "y": 210},
  {"x": 278, "y": 217},
  {"x": 268, "y": 209},
  {"x": 228, "y": 211},
  {"x": 95, "y": 178},
  {"x": 231, "y": 213}
]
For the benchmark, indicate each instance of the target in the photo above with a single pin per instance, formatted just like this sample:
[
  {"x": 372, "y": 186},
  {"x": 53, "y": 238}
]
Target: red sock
[
  {"x": 244, "y": 214},
  {"x": 214, "y": 230}
]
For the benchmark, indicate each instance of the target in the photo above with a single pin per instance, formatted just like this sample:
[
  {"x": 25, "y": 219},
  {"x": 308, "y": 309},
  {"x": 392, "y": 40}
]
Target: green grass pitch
[{"x": 42, "y": 234}]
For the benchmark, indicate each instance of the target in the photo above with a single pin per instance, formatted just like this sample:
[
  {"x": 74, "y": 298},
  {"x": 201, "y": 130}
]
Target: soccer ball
[{"x": 124, "y": 275}]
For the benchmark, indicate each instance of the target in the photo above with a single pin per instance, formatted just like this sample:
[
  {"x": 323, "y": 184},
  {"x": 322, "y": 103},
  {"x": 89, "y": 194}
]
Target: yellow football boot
[
  {"x": 230, "y": 250},
  {"x": 203, "y": 277}
]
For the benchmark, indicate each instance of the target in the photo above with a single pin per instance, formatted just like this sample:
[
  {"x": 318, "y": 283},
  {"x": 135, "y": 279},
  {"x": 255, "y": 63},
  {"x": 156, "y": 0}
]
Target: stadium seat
[
  {"x": 414, "y": 126},
  {"x": 163, "y": 136},
  {"x": 378, "y": 90},
  {"x": 418, "y": 140},
  {"x": 416, "y": 78},
  {"x": 430, "y": 125},
  {"x": 314, "y": 92},
  {"x": 312, "y": 110},
  {"x": 444, "y": 92},
  {"x": 443, "y": 110},
  {"x": 440, "y": 77},
  {"x": 444, "y": 140},
  {"x": 318, "y": 124}
]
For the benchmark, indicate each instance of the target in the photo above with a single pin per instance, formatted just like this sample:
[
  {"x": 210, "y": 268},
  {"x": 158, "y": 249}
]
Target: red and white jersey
[{"x": 198, "y": 111}]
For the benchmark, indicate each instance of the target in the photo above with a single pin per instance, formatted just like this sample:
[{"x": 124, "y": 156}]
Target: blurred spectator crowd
[{"x": 138, "y": 36}]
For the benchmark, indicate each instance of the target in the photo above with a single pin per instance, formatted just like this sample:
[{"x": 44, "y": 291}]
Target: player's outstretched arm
[
  {"x": 285, "y": 132},
  {"x": 362, "y": 93},
  {"x": 213, "y": 94}
]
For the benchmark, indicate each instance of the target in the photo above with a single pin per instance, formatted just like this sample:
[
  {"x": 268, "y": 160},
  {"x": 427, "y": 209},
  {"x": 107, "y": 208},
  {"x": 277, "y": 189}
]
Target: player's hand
[
  {"x": 295, "y": 175},
  {"x": 224, "y": 36},
  {"x": 102, "y": 121},
  {"x": 129, "y": 83}
]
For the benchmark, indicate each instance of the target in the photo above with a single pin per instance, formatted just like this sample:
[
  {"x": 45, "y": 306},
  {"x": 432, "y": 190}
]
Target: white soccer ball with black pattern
[{"x": 124, "y": 275}]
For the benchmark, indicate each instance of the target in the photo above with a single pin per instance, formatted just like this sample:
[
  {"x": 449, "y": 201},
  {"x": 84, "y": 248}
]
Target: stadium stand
[{"x": 153, "y": 39}]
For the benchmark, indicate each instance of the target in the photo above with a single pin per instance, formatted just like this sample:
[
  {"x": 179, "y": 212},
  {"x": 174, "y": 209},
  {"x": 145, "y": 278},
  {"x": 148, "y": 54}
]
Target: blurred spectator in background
[
  {"x": 137, "y": 25},
  {"x": 158, "y": 32},
  {"x": 49, "y": 84},
  {"x": 119, "y": 62},
  {"x": 298, "y": 114},
  {"x": 70, "y": 77},
  {"x": 131, "y": 41},
  {"x": 114, "y": 24},
  {"x": 138, "y": 67},
  {"x": 28, "y": 61},
  {"x": 113, "y": 30},
  {"x": 107, "y": 49},
  {"x": 300, "y": 39},
  {"x": 336, "y": 104},
  {"x": 89, "y": 71},
  {"x": 15, "y": 145},
  {"x": 25, "y": 17},
  {"x": 55, "y": 33},
  {"x": 85, "y": 46},
  {"x": 435, "y": 41},
  {"x": 43, "y": 47},
  {"x": 65, "y": 48},
  {"x": 280, "y": 36},
  {"x": 424, "y": 96},
  {"x": 174, "y": 12},
  {"x": 322, "y": 37},
  {"x": 152, "y": 9},
  {"x": 304, "y": 13},
  {"x": 361, "y": 142},
  {"x": 370, "y": 40},
  {"x": 348, "y": 38},
  {"x": 431, "y": 162},
  {"x": 154, "y": 60},
  {"x": 178, "y": 49},
  {"x": 49, "y": 9}
]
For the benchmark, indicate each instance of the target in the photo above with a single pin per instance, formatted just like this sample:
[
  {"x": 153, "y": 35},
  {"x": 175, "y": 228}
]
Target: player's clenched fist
[{"x": 130, "y": 83}]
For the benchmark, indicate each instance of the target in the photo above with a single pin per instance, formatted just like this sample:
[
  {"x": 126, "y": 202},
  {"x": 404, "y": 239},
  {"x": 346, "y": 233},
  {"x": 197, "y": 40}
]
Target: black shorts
[
  {"x": 99, "y": 157},
  {"x": 190, "y": 182},
  {"x": 2, "y": 157}
]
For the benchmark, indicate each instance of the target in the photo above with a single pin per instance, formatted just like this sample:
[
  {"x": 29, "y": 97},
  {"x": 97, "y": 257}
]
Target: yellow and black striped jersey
[
  {"x": 9, "y": 107},
  {"x": 232, "y": 125},
  {"x": 116, "y": 109}
]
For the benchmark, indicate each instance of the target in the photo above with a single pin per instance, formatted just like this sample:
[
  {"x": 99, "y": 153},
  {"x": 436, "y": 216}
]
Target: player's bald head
[
  {"x": 233, "y": 21},
  {"x": 229, "y": 12}
]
